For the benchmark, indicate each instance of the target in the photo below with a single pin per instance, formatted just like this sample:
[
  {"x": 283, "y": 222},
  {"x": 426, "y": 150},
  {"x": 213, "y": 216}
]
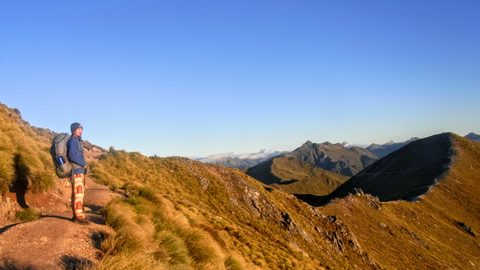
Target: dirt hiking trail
[{"x": 54, "y": 241}]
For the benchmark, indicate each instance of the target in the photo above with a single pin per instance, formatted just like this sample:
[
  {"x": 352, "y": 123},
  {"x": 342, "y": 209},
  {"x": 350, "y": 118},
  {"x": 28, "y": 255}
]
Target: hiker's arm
[{"x": 75, "y": 154}]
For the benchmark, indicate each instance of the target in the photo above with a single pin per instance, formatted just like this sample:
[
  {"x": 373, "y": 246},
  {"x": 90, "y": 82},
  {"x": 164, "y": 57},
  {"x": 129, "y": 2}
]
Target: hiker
[{"x": 79, "y": 170}]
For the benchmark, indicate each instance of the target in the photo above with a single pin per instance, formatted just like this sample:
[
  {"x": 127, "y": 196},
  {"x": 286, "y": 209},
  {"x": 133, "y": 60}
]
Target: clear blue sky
[{"x": 178, "y": 77}]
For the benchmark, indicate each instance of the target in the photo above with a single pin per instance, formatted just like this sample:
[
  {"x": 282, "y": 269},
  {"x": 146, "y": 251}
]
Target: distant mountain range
[
  {"x": 382, "y": 150},
  {"x": 313, "y": 168},
  {"x": 240, "y": 161},
  {"x": 249, "y": 160},
  {"x": 473, "y": 136}
]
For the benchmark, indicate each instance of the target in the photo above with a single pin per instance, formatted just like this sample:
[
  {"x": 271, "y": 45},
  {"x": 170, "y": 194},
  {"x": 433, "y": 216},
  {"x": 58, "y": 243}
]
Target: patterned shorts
[{"x": 78, "y": 192}]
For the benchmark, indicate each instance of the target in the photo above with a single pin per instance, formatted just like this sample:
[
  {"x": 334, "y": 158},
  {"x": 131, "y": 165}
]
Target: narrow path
[{"x": 54, "y": 241}]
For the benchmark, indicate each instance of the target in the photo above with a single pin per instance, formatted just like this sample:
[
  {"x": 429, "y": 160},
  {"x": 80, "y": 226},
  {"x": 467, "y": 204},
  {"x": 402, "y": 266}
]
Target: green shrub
[
  {"x": 232, "y": 264},
  {"x": 27, "y": 214},
  {"x": 174, "y": 247},
  {"x": 198, "y": 247}
]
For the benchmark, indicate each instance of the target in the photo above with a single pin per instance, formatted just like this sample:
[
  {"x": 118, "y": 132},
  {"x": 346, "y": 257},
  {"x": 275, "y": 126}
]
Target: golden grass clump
[
  {"x": 144, "y": 231},
  {"x": 27, "y": 214},
  {"x": 24, "y": 154}
]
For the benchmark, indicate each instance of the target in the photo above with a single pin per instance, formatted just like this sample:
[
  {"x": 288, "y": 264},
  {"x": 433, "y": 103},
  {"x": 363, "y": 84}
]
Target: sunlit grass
[
  {"x": 143, "y": 231},
  {"x": 24, "y": 154},
  {"x": 27, "y": 214}
]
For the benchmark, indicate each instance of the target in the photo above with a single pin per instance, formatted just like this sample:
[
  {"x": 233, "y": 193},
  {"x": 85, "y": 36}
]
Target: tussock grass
[
  {"x": 233, "y": 264},
  {"x": 25, "y": 161},
  {"x": 143, "y": 231},
  {"x": 174, "y": 250},
  {"x": 27, "y": 214}
]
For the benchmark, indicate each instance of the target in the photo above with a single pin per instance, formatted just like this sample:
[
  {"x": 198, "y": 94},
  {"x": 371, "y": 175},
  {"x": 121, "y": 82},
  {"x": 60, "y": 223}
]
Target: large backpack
[{"x": 63, "y": 168}]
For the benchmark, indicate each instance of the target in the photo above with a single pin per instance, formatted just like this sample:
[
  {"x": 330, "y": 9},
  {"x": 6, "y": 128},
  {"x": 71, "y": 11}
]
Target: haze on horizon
[{"x": 194, "y": 78}]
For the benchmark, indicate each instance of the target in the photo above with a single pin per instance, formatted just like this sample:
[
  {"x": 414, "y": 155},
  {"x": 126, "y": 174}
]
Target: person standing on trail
[{"x": 79, "y": 170}]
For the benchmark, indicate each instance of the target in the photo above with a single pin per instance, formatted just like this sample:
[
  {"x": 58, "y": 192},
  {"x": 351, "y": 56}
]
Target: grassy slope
[
  {"x": 423, "y": 234},
  {"x": 182, "y": 214},
  {"x": 296, "y": 177},
  {"x": 24, "y": 155},
  {"x": 308, "y": 178}
]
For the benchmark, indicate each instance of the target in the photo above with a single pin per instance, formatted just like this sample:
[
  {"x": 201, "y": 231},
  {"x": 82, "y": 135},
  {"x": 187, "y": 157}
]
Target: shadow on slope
[
  {"x": 11, "y": 265},
  {"x": 20, "y": 183},
  {"x": 263, "y": 173}
]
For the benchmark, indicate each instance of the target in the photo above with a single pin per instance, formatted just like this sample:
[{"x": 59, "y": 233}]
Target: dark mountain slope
[
  {"x": 336, "y": 158},
  {"x": 473, "y": 136},
  {"x": 406, "y": 173}
]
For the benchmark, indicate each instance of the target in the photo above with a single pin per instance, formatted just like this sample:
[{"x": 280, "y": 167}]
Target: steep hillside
[
  {"x": 26, "y": 167},
  {"x": 382, "y": 150},
  {"x": 187, "y": 215},
  {"x": 440, "y": 230},
  {"x": 406, "y": 173},
  {"x": 25, "y": 163}
]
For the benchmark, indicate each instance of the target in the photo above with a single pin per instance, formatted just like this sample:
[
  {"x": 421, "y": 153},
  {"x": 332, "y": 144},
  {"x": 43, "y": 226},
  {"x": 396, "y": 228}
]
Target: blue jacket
[{"x": 75, "y": 155}]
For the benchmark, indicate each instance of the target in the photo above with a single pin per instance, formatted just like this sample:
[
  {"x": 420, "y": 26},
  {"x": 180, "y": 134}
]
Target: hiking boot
[{"x": 82, "y": 221}]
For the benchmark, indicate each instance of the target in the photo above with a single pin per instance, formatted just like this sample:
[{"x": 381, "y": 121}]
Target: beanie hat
[{"x": 74, "y": 126}]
